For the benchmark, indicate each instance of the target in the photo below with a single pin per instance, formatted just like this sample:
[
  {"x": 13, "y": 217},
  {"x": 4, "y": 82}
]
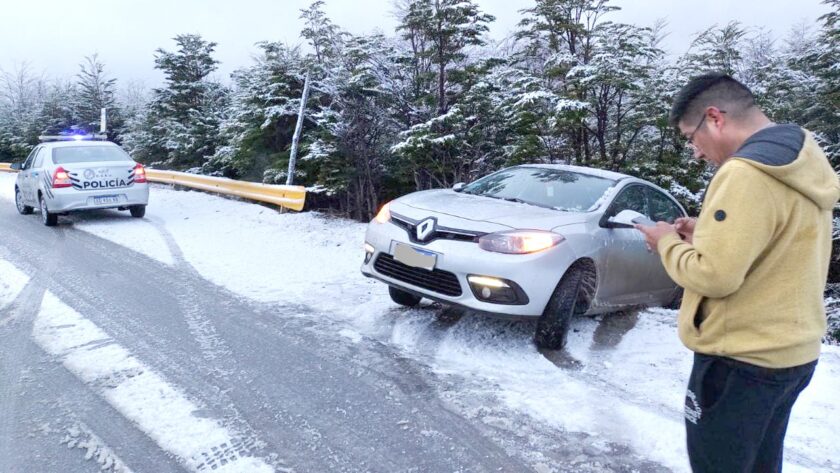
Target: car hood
[{"x": 476, "y": 208}]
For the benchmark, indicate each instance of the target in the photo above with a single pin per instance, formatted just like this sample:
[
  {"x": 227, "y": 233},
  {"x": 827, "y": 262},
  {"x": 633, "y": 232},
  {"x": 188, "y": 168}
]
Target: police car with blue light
[{"x": 69, "y": 173}]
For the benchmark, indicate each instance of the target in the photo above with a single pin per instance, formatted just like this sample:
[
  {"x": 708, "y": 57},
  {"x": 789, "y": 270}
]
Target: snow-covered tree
[
  {"x": 261, "y": 117},
  {"x": 95, "y": 91},
  {"x": 181, "y": 128}
]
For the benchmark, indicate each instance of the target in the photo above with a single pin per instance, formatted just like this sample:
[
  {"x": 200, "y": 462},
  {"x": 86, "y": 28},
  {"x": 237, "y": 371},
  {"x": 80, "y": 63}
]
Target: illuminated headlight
[
  {"x": 518, "y": 242},
  {"x": 368, "y": 252},
  {"x": 384, "y": 214},
  {"x": 497, "y": 291}
]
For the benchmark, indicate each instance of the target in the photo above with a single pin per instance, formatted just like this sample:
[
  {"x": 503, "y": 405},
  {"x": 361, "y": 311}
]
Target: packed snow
[
  {"x": 12, "y": 282},
  {"x": 156, "y": 407},
  {"x": 621, "y": 379}
]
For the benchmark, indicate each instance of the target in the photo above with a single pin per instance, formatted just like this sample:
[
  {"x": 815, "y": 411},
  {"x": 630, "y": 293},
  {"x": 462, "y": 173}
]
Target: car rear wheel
[
  {"x": 571, "y": 297},
  {"x": 49, "y": 219},
  {"x": 137, "y": 211},
  {"x": 22, "y": 208},
  {"x": 402, "y": 297}
]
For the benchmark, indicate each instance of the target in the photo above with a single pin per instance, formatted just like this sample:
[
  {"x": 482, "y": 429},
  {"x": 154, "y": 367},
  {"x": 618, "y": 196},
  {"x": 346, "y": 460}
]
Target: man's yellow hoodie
[{"x": 755, "y": 273}]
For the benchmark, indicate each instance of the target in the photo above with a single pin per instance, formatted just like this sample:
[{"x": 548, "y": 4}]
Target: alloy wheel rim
[
  {"x": 43, "y": 210},
  {"x": 19, "y": 201}
]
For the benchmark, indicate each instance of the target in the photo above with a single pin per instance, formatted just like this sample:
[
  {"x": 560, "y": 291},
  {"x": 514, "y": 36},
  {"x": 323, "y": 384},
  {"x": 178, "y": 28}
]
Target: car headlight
[
  {"x": 384, "y": 214},
  {"x": 519, "y": 242}
]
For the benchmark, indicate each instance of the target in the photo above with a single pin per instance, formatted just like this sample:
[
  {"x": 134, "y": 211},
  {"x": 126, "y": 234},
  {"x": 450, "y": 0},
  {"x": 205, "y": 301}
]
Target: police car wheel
[
  {"x": 137, "y": 211},
  {"x": 22, "y": 208},
  {"x": 49, "y": 219}
]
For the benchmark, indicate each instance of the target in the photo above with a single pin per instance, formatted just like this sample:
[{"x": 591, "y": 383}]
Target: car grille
[
  {"x": 436, "y": 280},
  {"x": 440, "y": 233}
]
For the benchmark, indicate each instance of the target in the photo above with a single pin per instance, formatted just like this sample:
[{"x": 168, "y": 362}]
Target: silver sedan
[{"x": 541, "y": 241}]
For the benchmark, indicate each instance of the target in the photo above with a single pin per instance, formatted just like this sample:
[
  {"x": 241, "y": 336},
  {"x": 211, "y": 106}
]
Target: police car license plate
[
  {"x": 415, "y": 257},
  {"x": 106, "y": 199}
]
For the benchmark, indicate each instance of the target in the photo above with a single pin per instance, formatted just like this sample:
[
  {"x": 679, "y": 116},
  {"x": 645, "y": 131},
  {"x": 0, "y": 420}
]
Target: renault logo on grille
[{"x": 425, "y": 229}]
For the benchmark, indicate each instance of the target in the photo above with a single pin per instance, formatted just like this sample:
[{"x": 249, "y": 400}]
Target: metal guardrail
[{"x": 290, "y": 197}]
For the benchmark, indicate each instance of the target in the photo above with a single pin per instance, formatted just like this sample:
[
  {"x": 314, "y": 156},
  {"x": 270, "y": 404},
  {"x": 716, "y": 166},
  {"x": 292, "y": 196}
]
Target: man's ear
[{"x": 716, "y": 118}]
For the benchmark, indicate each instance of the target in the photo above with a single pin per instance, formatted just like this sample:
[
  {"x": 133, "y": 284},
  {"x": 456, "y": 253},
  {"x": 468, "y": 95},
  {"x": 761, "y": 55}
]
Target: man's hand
[
  {"x": 685, "y": 227},
  {"x": 654, "y": 234}
]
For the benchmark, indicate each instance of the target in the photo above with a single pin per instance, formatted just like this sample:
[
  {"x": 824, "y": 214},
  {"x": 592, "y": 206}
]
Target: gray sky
[{"x": 54, "y": 37}]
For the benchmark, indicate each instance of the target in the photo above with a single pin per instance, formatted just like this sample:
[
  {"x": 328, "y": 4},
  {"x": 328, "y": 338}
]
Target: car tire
[
  {"x": 571, "y": 297},
  {"x": 403, "y": 298},
  {"x": 22, "y": 208},
  {"x": 49, "y": 219},
  {"x": 137, "y": 211}
]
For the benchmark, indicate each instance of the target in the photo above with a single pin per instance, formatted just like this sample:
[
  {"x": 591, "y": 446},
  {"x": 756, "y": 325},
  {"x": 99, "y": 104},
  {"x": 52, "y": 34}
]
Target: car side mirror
[
  {"x": 628, "y": 219},
  {"x": 459, "y": 187},
  {"x": 15, "y": 166}
]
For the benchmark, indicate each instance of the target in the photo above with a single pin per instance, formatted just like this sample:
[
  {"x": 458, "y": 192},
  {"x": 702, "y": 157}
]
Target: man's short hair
[{"x": 713, "y": 89}]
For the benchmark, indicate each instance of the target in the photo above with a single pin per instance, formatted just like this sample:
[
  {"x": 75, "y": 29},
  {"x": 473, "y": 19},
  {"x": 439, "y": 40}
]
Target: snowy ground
[{"x": 621, "y": 380}]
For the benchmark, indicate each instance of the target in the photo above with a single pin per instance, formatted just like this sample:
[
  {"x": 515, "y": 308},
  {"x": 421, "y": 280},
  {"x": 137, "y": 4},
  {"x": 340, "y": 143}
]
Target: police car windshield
[{"x": 89, "y": 154}]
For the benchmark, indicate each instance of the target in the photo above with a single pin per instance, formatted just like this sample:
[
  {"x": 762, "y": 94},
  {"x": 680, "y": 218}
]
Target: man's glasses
[{"x": 690, "y": 136}]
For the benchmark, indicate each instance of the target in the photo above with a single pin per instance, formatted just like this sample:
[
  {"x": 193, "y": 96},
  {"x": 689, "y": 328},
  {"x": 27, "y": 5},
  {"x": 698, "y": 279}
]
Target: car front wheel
[
  {"x": 402, "y": 297},
  {"x": 22, "y": 208},
  {"x": 49, "y": 219},
  {"x": 571, "y": 297}
]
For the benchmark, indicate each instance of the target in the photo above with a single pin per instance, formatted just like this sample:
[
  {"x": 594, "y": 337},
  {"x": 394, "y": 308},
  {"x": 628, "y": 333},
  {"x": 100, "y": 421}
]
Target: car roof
[
  {"x": 71, "y": 144},
  {"x": 615, "y": 176}
]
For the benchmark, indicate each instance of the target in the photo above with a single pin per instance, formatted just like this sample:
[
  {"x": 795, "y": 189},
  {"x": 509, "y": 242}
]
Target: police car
[{"x": 81, "y": 172}]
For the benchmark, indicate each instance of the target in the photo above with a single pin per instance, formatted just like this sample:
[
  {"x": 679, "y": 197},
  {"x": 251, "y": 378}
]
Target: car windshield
[
  {"x": 555, "y": 188},
  {"x": 88, "y": 154}
]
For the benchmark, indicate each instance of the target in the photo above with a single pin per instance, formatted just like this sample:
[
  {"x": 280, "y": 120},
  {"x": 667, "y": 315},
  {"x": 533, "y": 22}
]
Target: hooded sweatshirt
[{"x": 756, "y": 270}]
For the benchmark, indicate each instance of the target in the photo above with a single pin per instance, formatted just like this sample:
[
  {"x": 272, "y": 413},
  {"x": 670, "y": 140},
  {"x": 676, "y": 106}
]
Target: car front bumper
[{"x": 537, "y": 274}]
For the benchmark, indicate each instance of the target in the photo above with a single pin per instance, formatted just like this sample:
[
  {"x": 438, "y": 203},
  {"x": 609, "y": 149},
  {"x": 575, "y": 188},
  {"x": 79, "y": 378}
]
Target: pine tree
[
  {"x": 260, "y": 120},
  {"x": 95, "y": 92},
  {"x": 181, "y": 128}
]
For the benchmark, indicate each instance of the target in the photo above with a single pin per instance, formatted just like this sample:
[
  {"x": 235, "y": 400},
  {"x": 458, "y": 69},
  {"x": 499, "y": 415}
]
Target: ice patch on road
[
  {"x": 12, "y": 282},
  {"x": 158, "y": 408}
]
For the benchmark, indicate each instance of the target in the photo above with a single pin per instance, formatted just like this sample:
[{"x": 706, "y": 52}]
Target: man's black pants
[{"x": 736, "y": 414}]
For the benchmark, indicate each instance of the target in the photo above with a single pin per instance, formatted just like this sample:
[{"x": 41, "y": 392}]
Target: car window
[
  {"x": 28, "y": 163},
  {"x": 555, "y": 188},
  {"x": 39, "y": 158},
  {"x": 630, "y": 198},
  {"x": 661, "y": 207},
  {"x": 88, "y": 154}
]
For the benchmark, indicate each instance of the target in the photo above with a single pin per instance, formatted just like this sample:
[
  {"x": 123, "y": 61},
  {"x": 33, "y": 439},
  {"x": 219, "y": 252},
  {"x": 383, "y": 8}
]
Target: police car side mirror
[
  {"x": 458, "y": 187},
  {"x": 15, "y": 166}
]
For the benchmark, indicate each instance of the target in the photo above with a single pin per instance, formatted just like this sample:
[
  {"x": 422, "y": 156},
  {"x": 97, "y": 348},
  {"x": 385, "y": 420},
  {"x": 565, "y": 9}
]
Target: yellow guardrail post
[{"x": 290, "y": 197}]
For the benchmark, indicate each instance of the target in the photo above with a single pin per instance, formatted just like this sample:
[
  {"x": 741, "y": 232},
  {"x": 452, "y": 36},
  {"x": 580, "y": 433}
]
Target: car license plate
[
  {"x": 415, "y": 257},
  {"x": 106, "y": 199}
]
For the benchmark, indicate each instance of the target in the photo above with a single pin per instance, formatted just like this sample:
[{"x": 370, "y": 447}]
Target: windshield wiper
[{"x": 521, "y": 201}]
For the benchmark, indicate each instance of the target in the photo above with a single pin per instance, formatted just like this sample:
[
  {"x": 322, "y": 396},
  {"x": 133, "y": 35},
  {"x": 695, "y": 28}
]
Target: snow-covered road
[{"x": 617, "y": 390}]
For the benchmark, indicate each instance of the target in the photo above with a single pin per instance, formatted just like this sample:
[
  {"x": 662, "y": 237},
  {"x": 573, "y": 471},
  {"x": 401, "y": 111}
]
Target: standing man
[{"x": 754, "y": 266}]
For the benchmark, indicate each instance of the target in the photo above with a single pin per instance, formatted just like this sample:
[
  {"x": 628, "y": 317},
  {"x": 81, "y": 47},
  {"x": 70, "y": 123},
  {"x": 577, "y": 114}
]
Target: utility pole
[{"x": 298, "y": 128}]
